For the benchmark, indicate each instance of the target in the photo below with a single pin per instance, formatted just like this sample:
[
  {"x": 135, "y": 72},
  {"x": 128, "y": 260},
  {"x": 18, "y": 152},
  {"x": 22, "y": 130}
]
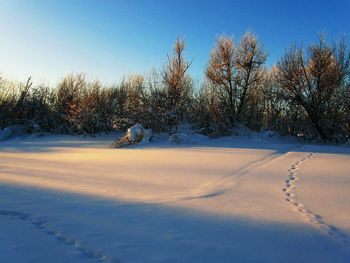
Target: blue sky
[{"x": 48, "y": 39}]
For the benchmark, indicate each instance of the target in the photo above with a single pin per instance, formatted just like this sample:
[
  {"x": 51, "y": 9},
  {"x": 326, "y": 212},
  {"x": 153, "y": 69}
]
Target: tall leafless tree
[
  {"x": 177, "y": 83},
  {"x": 315, "y": 80},
  {"x": 221, "y": 72},
  {"x": 249, "y": 62},
  {"x": 236, "y": 72}
]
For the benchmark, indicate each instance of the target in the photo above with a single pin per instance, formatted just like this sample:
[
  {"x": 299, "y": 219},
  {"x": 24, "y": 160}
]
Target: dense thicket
[{"x": 306, "y": 94}]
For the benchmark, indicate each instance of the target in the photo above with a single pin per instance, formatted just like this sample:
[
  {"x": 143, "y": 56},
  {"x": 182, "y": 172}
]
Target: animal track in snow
[
  {"x": 310, "y": 216},
  {"x": 41, "y": 223}
]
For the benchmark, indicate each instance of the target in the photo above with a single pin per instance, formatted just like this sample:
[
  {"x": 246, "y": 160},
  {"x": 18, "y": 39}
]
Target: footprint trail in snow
[
  {"x": 310, "y": 216},
  {"x": 42, "y": 224}
]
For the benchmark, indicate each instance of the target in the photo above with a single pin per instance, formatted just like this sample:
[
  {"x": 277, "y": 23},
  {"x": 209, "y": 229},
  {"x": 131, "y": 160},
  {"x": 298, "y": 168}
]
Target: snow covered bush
[{"x": 135, "y": 134}]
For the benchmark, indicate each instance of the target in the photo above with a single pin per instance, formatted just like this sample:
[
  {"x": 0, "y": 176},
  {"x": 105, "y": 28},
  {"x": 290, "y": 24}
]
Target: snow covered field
[{"x": 234, "y": 199}]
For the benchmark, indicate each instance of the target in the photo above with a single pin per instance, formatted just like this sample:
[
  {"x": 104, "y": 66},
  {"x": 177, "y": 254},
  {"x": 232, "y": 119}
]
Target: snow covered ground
[{"x": 235, "y": 199}]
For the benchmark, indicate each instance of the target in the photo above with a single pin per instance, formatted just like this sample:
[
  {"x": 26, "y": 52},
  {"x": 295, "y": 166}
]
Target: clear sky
[{"x": 48, "y": 39}]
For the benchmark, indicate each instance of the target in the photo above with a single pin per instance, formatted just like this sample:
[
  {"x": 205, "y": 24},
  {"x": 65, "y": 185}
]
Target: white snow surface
[{"x": 252, "y": 198}]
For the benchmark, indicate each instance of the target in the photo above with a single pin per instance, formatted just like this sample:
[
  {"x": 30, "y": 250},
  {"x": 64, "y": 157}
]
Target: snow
[
  {"x": 134, "y": 133},
  {"x": 251, "y": 198},
  {"x": 147, "y": 136},
  {"x": 180, "y": 138}
]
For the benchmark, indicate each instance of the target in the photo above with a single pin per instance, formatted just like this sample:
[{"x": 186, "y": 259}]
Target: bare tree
[
  {"x": 249, "y": 62},
  {"x": 315, "y": 80},
  {"x": 130, "y": 108},
  {"x": 221, "y": 72},
  {"x": 66, "y": 100},
  {"x": 177, "y": 82},
  {"x": 208, "y": 108},
  {"x": 236, "y": 72},
  {"x": 346, "y": 120}
]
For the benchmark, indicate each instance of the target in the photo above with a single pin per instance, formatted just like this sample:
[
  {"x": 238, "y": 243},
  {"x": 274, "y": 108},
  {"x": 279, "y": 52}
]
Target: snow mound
[
  {"x": 243, "y": 132},
  {"x": 180, "y": 138},
  {"x": 267, "y": 134},
  {"x": 134, "y": 135},
  {"x": 147, "y": 136},
  {"x": 10, "y": 132}
]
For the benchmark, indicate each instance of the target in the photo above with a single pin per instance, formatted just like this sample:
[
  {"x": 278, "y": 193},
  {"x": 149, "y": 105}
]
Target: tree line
[{"x": 306, "y": 94}]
